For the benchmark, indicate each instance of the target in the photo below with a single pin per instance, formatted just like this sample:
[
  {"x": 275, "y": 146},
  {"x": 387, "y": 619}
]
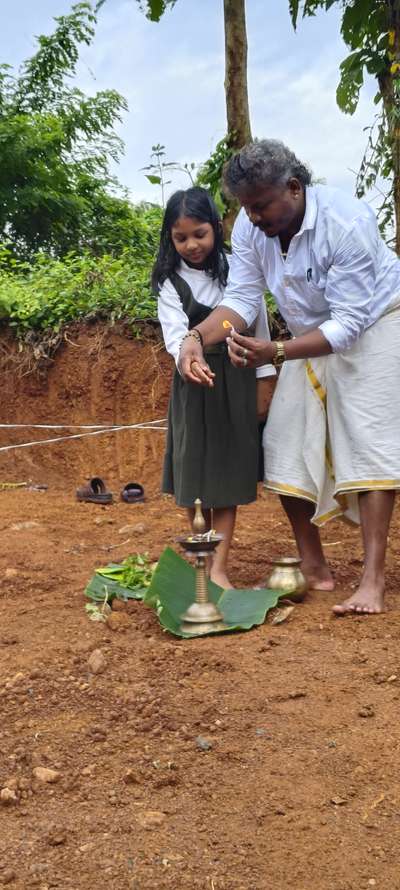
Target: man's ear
[{"x": 295, "y": 187}]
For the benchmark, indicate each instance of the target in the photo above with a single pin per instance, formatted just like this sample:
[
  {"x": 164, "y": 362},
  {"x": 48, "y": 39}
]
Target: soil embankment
[{"x": 99, "y": 374}]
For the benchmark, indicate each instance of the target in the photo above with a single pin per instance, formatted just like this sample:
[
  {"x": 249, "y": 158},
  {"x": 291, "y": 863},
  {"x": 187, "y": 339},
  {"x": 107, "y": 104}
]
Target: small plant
[{"x": 159, "y": 168}]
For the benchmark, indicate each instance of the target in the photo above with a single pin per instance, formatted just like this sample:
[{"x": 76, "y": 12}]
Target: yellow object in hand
[{"x": 227, "y": 324}]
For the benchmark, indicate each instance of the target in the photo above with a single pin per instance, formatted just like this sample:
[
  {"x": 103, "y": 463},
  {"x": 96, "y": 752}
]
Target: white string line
[
  {"x": 148, "y": 424},
  {"x": 114, "y": 429}
]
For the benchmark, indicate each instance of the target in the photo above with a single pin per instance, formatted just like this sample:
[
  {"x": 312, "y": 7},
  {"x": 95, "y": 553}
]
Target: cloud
[{"x": 172, "y": 75}]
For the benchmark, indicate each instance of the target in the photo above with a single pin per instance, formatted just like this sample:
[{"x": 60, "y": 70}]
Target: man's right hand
[{"x": 192, "y": 364}]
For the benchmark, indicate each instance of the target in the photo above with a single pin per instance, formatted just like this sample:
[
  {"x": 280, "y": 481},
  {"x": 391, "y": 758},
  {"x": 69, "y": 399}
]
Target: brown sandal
[{"x": 95, "y": 492}]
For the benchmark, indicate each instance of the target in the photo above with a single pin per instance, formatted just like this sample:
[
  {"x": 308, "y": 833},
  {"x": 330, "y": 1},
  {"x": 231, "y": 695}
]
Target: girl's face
[{"x": 193, "y": 240}]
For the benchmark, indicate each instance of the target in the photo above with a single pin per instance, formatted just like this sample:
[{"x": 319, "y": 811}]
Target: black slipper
[
  {"x": 95, "y": 492},
  {"x": 132, "y": 493}
]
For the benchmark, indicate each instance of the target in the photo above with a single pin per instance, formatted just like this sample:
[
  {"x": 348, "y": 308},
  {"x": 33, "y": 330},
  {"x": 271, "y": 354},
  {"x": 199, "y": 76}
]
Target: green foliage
[
  {"x": 370, "y": 29},
  {"x": 153, "y": 9},
  {"x": 364, "y": 29},
  {"x": 128, "y": 580},
  {"x": 54, "y": 291},
  {"x": 210, "y": 173},
  {"x": 134, "y": 573},
  {"x": 56, "y": 193}
]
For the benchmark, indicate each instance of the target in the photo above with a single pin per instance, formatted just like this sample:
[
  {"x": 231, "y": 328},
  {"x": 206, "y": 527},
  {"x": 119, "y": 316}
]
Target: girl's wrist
[
  {"x": 193, "y": 334},
  {"x": 196, "y": 332}
]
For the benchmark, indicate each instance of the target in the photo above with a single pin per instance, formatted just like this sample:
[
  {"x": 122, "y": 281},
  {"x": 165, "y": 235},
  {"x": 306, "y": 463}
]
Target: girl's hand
[
  {"x": 248, "y": 351},
  {"x": 265, "y": 390},
  {"x": 192, "y": 364}
]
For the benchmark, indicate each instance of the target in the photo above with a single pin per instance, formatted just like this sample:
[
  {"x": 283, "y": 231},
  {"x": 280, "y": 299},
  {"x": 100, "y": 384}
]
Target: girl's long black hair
[{"x": 198, "y": 204}]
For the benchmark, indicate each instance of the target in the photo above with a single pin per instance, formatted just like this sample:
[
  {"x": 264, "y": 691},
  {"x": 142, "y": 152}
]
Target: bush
[{"x": 52, "y": 291}]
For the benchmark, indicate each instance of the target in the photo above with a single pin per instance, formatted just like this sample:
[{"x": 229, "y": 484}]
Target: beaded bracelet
[
  {"x": 195, "y": 334},
  {"x": 200, "y": 336}
]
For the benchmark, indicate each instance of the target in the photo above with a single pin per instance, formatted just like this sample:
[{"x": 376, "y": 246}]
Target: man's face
[{"x": 276, "y": 210}]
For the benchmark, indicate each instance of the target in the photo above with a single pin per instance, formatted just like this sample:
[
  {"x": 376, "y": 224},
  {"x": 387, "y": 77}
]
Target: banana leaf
[
  {"x": 101, "y": 587},
  {"x": 172, "y": 590}
]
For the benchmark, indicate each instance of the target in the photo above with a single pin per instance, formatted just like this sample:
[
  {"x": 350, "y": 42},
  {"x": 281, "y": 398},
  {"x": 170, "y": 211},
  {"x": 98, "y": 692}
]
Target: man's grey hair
[{"x": 264, "y": 162}]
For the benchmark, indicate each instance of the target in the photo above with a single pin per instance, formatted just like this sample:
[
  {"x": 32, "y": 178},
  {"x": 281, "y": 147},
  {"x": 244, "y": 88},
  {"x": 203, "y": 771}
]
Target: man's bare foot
[
  {"x": 221, "y": 579},
  {"x": 367, "y": 600},
  {"x": 318, "y": 577}
]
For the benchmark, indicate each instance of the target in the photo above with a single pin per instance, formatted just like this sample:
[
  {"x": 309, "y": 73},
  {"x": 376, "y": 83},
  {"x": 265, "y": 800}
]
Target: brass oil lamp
[{"x": 202, "y": 616}]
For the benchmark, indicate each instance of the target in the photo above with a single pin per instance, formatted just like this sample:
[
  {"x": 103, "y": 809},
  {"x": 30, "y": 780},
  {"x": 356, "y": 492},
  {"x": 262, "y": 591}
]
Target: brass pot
[{"x": 287, "y": 577}]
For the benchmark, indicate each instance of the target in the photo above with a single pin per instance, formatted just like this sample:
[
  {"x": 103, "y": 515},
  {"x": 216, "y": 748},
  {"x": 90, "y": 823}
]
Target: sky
[{"x": 171, "y": 73}]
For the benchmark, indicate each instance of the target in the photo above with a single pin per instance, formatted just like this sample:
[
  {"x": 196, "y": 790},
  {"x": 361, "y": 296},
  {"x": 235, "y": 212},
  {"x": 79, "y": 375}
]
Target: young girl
[{"x": 212, "y": 443}]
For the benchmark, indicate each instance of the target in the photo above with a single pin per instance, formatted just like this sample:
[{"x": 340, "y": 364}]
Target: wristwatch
[{"x": 280, "y": 355}]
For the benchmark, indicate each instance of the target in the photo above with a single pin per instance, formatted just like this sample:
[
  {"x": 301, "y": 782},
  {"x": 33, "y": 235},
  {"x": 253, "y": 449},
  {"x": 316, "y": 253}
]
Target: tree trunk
[
  {"x": 395, "y": 124},
  {"x": 389, "y": 85},
  {"x": 237, "y": 101}
]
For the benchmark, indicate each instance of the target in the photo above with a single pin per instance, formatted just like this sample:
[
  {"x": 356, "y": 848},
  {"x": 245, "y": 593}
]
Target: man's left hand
[{"x": 248, "y": 351}]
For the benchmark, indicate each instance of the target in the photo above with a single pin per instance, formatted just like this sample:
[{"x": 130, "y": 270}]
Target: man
[{"x": 331, "y": 440}]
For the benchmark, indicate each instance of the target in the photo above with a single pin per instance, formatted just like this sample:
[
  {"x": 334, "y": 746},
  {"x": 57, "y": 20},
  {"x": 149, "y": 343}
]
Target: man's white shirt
[{"x": 338, "y": 276}]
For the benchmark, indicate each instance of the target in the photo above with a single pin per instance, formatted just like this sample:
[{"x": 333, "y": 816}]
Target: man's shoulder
[
  {"x": 340, "y": 206},
  {"x": 244, "y": 230}
]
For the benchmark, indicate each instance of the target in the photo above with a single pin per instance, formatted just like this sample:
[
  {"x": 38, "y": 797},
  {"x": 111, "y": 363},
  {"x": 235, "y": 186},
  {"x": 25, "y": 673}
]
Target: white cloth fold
[{"x": 334, "y": 423}]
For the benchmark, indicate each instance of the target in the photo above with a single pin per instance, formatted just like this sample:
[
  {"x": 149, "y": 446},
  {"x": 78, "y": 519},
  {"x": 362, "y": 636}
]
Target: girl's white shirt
[{"x": 208, "y": 292}]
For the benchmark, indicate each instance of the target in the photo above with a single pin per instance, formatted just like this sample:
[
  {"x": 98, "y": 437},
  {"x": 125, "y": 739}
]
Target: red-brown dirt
[{"x": 299, "y": 787}]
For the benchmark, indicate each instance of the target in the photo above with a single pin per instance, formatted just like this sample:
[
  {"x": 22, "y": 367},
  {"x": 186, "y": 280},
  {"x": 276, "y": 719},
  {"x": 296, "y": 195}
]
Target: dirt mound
[{"x": 255, "y": 761}]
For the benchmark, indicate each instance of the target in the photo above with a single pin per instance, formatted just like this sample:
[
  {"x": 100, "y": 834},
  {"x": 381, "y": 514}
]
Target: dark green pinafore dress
[{"x": 212, "y": 440}]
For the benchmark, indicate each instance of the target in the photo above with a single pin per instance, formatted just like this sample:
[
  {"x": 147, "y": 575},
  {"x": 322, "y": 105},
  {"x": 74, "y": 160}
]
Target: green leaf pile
[{"x": 128, "y": 580}]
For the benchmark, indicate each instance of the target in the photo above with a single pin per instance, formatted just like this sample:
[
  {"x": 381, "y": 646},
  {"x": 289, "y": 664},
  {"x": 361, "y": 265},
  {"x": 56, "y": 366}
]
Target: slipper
[
  {"x": 133, "y": 493},
  {"x": 95, "y": 492}
]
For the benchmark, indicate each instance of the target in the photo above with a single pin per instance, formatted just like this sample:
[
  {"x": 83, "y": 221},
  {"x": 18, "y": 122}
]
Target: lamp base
[{"x": 202, "y": 618}]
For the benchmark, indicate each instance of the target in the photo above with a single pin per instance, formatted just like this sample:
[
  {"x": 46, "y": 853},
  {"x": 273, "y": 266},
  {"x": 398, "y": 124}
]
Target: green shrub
[{"x": 52, "y": 292}]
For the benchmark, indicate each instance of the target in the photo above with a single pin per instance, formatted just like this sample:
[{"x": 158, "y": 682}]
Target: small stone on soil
[
  {"x": 8, "y": 876},
  {"x": 21, "y": 526},
  {"x": 150, "y": 819},
  {"x": 56, "y": 836},
  {"x": 366, "y": 711},
  {"x": 97, "y": 662},
  {"x": 203, "y": 744},
  {"x": 8, "y": 796},
  {"x": 118, "y": 605},
  {"x": 139, "y": 529},
  {"x": 45, "y": 775},
  {"x": 131, "y": 777},
  {"x": 118, "y": 621}
]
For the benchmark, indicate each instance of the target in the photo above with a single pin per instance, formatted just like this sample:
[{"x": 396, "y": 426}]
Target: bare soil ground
[{"x": 298, "y": 787}]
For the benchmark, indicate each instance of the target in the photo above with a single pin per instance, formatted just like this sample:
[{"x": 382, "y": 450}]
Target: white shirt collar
[
  {"x": 310, "y": 215},
  {"x": 190, "y": 268}
]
